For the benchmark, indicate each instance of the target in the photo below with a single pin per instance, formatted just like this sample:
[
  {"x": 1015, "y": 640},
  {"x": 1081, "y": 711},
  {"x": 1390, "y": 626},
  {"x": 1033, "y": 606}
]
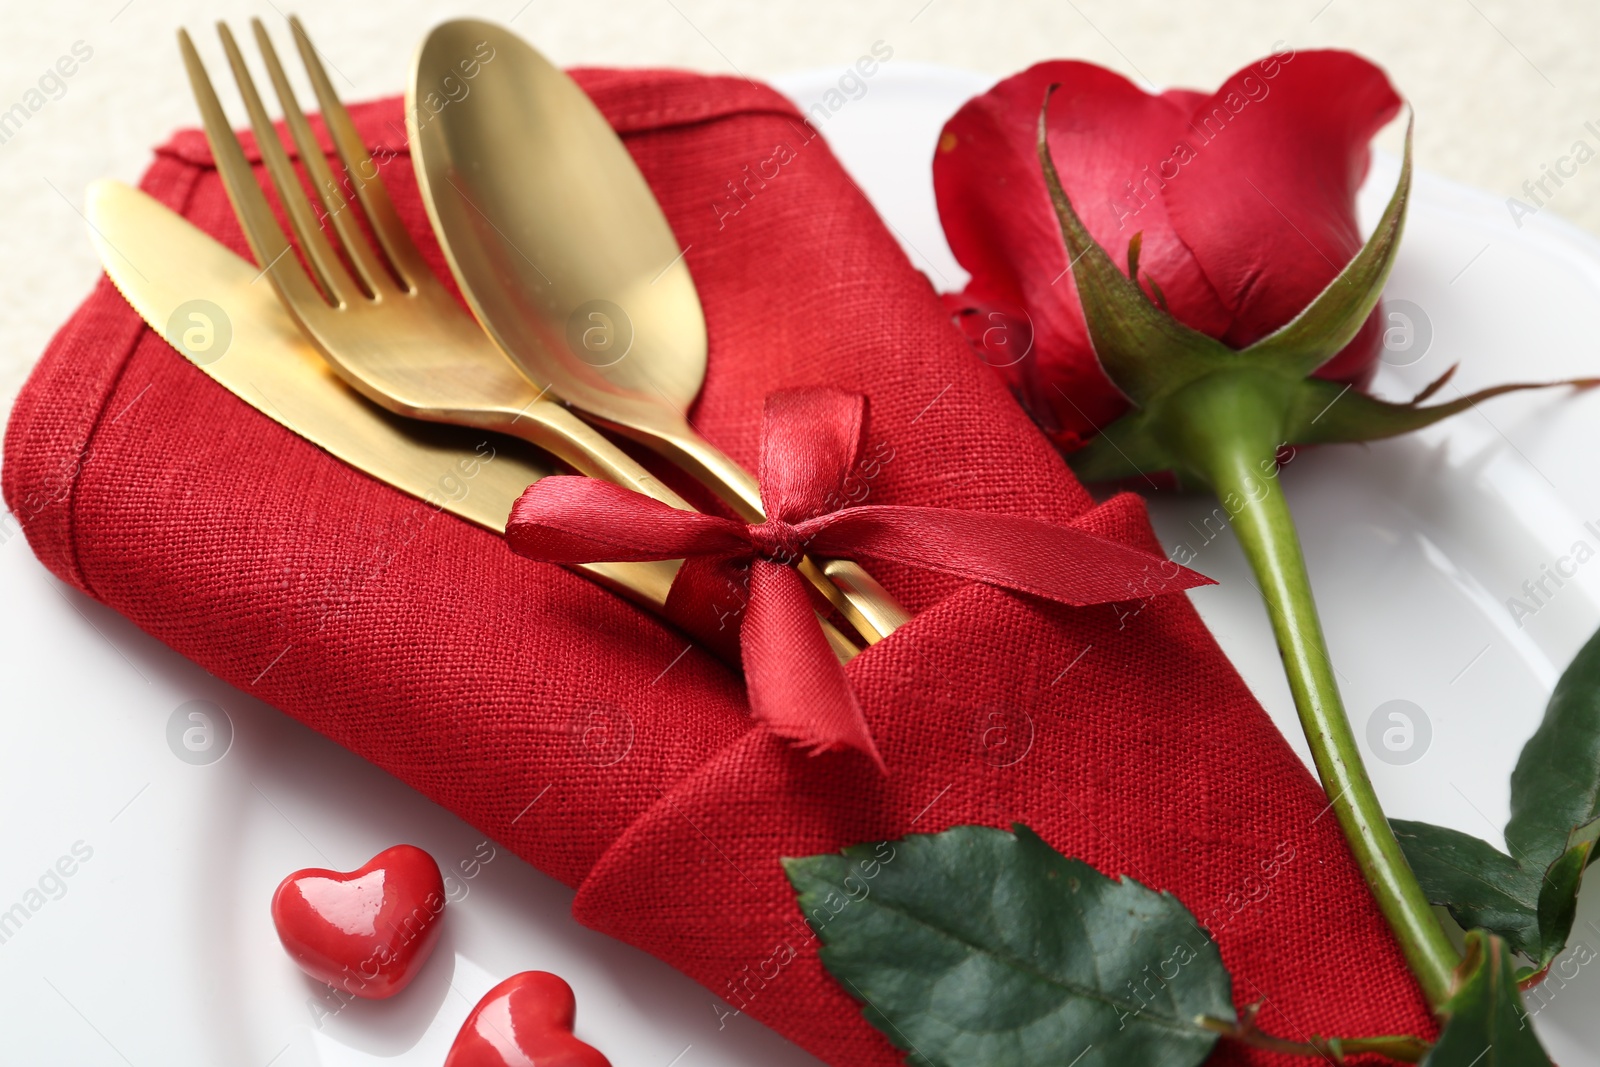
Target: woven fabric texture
[{"x": 1119, "y": 733}]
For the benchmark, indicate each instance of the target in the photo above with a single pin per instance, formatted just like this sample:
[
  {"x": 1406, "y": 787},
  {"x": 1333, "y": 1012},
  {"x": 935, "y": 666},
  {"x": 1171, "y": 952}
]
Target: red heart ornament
[
  {"x": 525, "y": 1021},
  {"x": 366, "y": 931}
]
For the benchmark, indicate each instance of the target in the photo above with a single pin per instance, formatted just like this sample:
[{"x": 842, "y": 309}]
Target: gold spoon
[{"x": 567, "y": 260}]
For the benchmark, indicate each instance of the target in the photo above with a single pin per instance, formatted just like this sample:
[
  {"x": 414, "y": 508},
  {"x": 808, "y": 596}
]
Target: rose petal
[
  {"x": 1268, "y": 203},
  {"x": 1109, "y": 139}
]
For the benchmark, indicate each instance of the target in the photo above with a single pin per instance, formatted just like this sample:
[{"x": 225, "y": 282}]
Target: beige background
[{"x": 1501, "y": 88}]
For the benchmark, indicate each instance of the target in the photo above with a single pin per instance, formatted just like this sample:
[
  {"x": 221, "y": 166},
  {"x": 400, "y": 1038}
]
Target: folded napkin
[{"x": 425, "y": 645}]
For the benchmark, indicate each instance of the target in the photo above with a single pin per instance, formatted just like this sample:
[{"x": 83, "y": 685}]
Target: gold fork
[{"x": 392, "y": 330}]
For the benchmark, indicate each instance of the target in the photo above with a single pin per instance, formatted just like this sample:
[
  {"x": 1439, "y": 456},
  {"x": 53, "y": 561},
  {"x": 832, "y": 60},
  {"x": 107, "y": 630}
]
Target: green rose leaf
[
  {"x": 1482, "y": 886},
  {"x": 976, "y": 947},
  {"x": 1528, "y": 898},
  {"x": 1486, "y": 1026}
]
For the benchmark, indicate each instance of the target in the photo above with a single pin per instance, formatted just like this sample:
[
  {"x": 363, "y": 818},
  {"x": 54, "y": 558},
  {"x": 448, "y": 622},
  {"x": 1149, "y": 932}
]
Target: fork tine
[
  {"x": 336, "y": 281},
  {"x": 261, "y": 229},
  {"x": 380, "y": 213},
  {"x": 371, "y": 272}
]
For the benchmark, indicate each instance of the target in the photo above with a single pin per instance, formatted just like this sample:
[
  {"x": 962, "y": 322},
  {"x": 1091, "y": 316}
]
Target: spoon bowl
[{"x": 557, "y": 241}]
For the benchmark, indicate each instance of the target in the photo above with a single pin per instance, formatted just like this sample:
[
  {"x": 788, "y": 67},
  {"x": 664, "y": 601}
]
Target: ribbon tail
[
  {"x": 797, "y": 686},
  {"x": 568, "y": 519},
  {"x": 1063, "y": 563}
]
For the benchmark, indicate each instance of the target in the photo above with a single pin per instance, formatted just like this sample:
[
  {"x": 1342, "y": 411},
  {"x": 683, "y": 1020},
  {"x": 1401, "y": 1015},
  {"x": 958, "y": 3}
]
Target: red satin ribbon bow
[{"x": 809, "y": 444}]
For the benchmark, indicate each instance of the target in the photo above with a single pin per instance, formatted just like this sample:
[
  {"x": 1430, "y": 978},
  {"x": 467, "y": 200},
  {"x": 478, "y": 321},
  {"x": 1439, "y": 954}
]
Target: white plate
[{"x": 159, "y": 948}]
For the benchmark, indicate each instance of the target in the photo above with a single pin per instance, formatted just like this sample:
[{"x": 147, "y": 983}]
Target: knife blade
[{"x": 214, "y": 308}]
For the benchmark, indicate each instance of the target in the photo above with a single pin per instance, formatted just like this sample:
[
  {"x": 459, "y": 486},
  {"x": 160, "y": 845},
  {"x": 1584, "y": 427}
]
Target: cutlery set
[{"x": 584, "y": 315}]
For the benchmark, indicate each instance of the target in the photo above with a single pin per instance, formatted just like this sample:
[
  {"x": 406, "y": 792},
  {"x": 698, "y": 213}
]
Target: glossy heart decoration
[
  {"x": 525, "y": 1021},
  {"x": 367, "y": 931}
]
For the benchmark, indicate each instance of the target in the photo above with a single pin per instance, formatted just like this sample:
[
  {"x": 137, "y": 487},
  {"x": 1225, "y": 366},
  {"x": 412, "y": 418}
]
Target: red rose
[
  {"x": 1246, "y": 310},
  {"x": 1245, "y": 199}
]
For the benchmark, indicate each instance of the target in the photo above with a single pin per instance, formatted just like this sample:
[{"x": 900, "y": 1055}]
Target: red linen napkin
[{"x": 423, "y": 644}]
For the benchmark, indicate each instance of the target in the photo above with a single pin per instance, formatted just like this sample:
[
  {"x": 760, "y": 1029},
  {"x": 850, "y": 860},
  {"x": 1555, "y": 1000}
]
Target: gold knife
[{"x": 215, "y": 309}]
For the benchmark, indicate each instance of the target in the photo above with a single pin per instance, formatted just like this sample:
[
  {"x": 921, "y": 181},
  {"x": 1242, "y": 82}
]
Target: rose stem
[
  {"x": 1234, "y": 450},
  {"x": 1405, "y": 1048}
]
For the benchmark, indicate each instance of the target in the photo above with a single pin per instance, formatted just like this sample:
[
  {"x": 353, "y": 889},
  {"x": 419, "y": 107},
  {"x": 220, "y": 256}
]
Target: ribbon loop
[{"x": 810, "y": 439}]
